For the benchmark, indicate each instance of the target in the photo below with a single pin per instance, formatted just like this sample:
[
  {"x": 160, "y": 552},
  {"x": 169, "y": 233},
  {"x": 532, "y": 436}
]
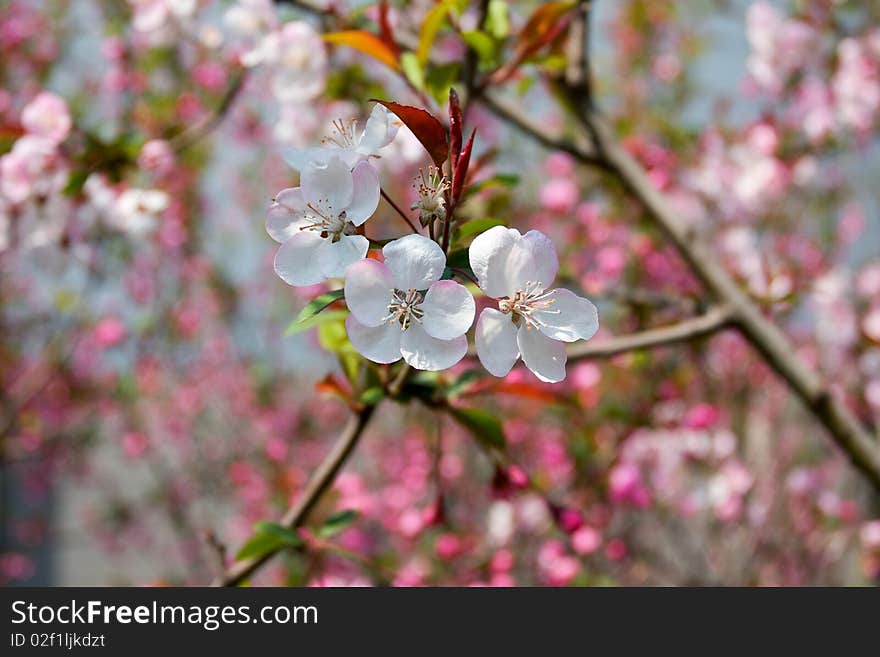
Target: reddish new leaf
[
  {"x": 461, "y": 168},
  {"x": 528, "y": 391},
  {"x": 544, "y": 26},
  {"x": 455, "y": 127},
  {"x": 425, "y": 126},
  {"x": 367, "y": 43},
  {"x": 385, "y": 31},
  {"x": 542, "y": 21}
]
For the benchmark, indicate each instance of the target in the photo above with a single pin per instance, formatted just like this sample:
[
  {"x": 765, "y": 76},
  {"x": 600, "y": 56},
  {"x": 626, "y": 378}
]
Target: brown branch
[
  {"x": 712, "y": 321},
  {"x": 844, "y": 427},
  {"x": 320, "y": 481},
  {"x": 198, "y": 131}
]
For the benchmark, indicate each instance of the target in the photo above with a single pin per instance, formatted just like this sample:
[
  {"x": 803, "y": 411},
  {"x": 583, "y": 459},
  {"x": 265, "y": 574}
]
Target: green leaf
[
  {"x": 440, "y": 79},
  {"x": 431, "y": 24},
  {"x": 333, "y": 337},
  {"x": 337, "y": 523},
  {"x": 297, "y": 326},
  {"x": 484, "y": 426},
  {"x": 505, "y": 179},
  {"x": 318, "y": 304},
  {"x": 478, "y": 226},
  {"x": 75, "y": 182},
  {"x": 372, "y": 396},
  {"x": 459, "y": 259},
  {"x": 463, "y": 383},
  {"x": 282, "y": 533},
  {"x": 497, "y": 23},
  {"x": 481, "y": 43},
  {"x": 412, "y": 68},
  {"x": 268, "y": 537}
]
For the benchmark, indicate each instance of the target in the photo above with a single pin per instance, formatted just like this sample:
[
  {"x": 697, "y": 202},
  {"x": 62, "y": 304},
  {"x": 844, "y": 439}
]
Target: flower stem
[{"x": 399, "y": 211}]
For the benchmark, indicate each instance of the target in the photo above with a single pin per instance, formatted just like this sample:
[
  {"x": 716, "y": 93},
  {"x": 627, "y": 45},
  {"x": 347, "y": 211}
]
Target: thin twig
[
  {"x": 394, "y": 205},
  {"x": 198, "y": 131},
  {"x": 711, "y": 322},
  {"x": 321, "y": 480}
]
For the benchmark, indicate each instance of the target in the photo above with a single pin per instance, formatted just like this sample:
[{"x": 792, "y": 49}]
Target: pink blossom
[
  {"x": 625, "y": 485},
  {"x": 448, "y": 546},
  {"x": 869, "y": 534},
  {"x": 559, "y": 195},
  {"x": 856, "y": 86},
  {"x": 586, "y": 540},
  {"x": 135, "y": 443},
  {"x": 157, "y": 156},
  {"x": 502, "y": 561},
  {"x": 559, "y": 165},
  {"x": 109, "y": 332},
  {"x": 16, "y": 567},
  {"x": 47, "y": 116},
  {"x": 701, "y": 416},
  {"x": 871, "y": 324},
  {"x": 28, "y": 169},
  {"x": 616, "y": 550}
]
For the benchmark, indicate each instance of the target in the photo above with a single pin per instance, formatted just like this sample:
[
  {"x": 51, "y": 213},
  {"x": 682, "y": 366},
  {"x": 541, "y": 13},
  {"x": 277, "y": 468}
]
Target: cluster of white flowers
[{"x": 403, "y": 306}]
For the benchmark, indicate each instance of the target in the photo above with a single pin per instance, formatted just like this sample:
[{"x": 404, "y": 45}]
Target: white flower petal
[
  {"x": 416, "y": 262},
  {"x": 569, "y": 317},
  {"x": 544, "y": 356},
  {"x": 365, "y": 195},
  {"x": 544, "y": 256},
  {"x": 336, "y": 257},
  {"x": 328, "y": 185},
  {"x": 286, "y": 215},
  {"x": 496, "y": 342},
  {"x": 368, "y": 286},
  {"x": 304, "y": 158},
  {"x": 423, "y": 352},
  {"x": 502, "y": 261},
  {"x": 297, "y": 261},
  {"x": 380, "y": 130},
  {"x": 449, "y": 310},
  {"x": 380, "y": 344}
]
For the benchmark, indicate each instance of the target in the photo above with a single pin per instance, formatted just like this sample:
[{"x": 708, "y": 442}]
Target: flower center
[
  {"x": 432, "y": 187},
  {"x": 525, "y": 303},
  {"x": 343, "y": 134},
  {"x": 330, "y": 225},
  {"x": 404, "y": 308}
]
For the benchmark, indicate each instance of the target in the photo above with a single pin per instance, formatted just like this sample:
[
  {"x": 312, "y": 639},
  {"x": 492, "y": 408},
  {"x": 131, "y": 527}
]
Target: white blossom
[
  {"x": 347, "y": 143},
  {"x": 401, "y": 308},
  {"x": 317, "y": 222},
  {"x": 531, "y": 321}
]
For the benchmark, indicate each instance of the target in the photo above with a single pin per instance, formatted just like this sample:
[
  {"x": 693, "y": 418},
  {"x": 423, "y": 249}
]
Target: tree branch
[
  {"x": 321, "y": 480},
  {"x": 714, "y": 320},
  {"x": 198, "y": 131},
  {"x": 845, "y": 429}
]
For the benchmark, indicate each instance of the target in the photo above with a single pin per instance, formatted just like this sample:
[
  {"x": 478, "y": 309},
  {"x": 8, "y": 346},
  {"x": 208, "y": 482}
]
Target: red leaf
[
  {"x": 528, "y": 391},
  {"x": 425, "y": 126},
  {"x": 455, "y": 127},
  {"x": 544, "y": 26},
  {"x": 542, "y": 21},
  {"x": 331, "y": 385},
  {"x": 461, "y": 168},
  {"x": 385, "y": 31}
]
